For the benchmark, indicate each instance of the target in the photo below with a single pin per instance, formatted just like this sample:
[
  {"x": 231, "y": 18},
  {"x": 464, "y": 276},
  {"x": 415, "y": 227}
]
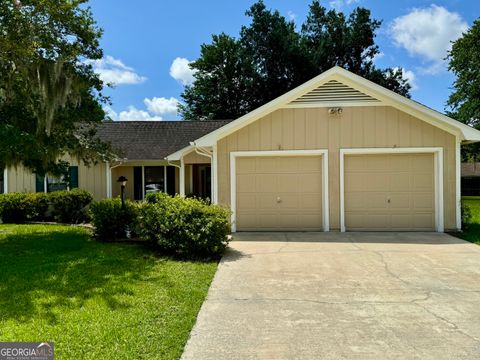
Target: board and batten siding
[
  {"x": 20, "y": 179},
  {"x": 356, "y": 127},
  {"x": 91, "y": 178}
]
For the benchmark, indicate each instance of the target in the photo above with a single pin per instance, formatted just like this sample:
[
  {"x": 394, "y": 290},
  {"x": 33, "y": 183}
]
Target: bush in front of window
[
  {"x": 111, "y": 221},
  {"x": 17, "y": 208},
  {"x": 188, "y": 227},
  {"x": 41, "y": 207},
  {"x": 70, "y": 206}
]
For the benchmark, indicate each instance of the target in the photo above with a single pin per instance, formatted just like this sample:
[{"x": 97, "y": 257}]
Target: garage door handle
[
  {"x": 278, "y": 199},
  {"x": 388, "y": 200}
]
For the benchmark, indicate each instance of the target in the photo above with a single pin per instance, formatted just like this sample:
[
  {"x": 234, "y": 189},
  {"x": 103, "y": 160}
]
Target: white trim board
[
  {"x": 233, "y": 178},
  {"x": 5, "y": 180},
  {"x": 458, "y": 182},
  {"x": 438, "y": 159}
]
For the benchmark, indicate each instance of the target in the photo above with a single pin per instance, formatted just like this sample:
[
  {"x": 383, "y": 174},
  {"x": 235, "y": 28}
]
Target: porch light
[{"x": 123, "y": 181}]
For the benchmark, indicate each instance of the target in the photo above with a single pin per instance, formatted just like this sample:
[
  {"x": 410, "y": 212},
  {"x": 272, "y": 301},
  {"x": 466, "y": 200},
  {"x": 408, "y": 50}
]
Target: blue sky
[{"x": 148, "y": 44}]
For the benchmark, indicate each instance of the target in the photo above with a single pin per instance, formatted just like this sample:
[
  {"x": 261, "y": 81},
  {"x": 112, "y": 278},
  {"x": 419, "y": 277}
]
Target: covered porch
[{"x": 189, "y": 176}]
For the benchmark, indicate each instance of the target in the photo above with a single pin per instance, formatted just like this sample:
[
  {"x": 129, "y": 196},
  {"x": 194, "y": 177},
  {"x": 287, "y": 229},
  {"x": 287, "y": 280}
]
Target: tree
[
  {"x": 49, "y": 95},
  {"x": 464, "y": 62},
  {"x": 270, "y": 58},
  {"x": 223, "y": 77}
]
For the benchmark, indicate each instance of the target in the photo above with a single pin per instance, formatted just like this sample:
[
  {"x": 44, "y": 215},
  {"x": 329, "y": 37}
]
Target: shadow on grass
[
  {"x": 470, "y": 233},
  {"x": 41, "y": 272}
]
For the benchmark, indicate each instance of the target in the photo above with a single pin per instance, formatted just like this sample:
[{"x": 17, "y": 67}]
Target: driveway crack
[{"x": 446, "y": 321}]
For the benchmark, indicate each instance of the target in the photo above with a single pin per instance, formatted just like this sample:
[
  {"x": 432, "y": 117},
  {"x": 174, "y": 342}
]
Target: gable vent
[{"x": 333, "y": 92}]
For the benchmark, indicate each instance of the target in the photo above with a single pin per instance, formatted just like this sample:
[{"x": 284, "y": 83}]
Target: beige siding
[
  {"x": 194, "y": 158},
  {"x": 20, "y": 179},
  {"x": 92, "y": 178},
  {"x": 126, "y": 171},
  {"x": 357, "y": 127}
]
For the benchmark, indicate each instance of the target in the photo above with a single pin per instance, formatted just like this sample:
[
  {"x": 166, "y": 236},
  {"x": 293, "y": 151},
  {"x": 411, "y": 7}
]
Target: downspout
[
  {"x": 202, "y": 151},
  {"x": 109, "y": 176},
  {"x": 213, "y": 162},
  {"x": 181, "y": 167}
]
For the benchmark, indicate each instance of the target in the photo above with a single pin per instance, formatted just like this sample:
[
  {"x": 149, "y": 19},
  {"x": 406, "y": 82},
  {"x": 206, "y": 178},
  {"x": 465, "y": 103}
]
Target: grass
[
  {"x": 472, "y": 231},
  {"x": 96, "y": 300}
]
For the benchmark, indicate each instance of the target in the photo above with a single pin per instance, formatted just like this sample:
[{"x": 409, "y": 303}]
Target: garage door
[
  {"x": 390, "y": 192},
  {"x": 279, "y": 193}
]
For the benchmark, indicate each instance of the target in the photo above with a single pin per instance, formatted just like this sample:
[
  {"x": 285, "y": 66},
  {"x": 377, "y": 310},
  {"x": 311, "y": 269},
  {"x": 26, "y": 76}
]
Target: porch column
[
  {"x": 108, "y": 176},
  {"x": 165, "y": 179},
  {"x": 143, "y": 182},
  {"x": 5, "y": 180},
  {"x": 182, "y": 177}
]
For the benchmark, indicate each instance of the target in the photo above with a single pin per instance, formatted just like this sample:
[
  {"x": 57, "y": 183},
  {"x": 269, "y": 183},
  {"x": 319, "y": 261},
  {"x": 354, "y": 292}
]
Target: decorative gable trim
[
  {"x": 382, "y": 96},
  {"x": 331, "y": 93}
]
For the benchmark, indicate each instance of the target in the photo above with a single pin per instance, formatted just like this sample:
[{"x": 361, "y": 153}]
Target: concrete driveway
[{"x": 342, "y": 296}]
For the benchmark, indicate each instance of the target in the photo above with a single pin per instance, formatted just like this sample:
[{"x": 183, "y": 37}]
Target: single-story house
[{"x": 336, "y": 153}]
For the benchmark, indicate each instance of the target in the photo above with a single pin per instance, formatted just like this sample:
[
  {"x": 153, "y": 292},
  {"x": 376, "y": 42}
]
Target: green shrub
[
  {"x": 111, "y": 221},
  {"x": 62, "y": 206},
  {"x": 70, "y": 206},
  {"x": 186, "y": 226},
  {"x": 41, "y": 207},
  {"x": 16, "y": 208},
  {"x": 466, "y": 216}
]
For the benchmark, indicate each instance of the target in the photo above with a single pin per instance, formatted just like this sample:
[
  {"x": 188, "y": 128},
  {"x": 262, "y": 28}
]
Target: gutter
[{"x": 201, "y": 151}]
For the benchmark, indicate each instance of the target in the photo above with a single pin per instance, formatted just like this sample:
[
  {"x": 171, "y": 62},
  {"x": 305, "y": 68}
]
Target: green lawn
[
  {"x": 472, "y": 232},
  {"x": 96, "y": 300}
]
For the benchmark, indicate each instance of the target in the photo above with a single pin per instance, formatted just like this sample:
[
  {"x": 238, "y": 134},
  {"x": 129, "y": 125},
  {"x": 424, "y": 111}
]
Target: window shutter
[
  {"x": 73, "y": 175},
  {"x": 39, "y": 183}
]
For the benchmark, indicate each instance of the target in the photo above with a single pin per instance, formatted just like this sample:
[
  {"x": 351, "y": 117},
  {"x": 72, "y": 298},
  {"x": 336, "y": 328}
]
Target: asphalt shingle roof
[{"x": 154, "y": 140}]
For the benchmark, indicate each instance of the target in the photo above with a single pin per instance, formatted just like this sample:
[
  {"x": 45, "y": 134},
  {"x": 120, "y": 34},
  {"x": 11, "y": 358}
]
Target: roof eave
[{"x": 388, "y": 97}]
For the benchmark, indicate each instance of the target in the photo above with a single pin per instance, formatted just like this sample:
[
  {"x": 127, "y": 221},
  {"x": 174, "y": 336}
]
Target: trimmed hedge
[
  {"x": 186, "y": 226},
  {"x": 16, "y": 208},
  {"x": 70, "y": 206},
  {"x": 62, "y": 206},
  {"x": 111, "y": 221}
]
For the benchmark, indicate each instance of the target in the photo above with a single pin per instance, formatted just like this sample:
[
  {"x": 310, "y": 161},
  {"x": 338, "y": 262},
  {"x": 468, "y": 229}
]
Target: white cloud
[
  {"x": 181, "y": 71},
  {"x": 410, "y": 76},
  {"x": 427, "y": 33},
  {"x": 157, "y": 107},
  {"x": 132, "y": 113},
  {"x": 337, "y": 4},
  {"x": 291, "y": 15},
  {"x": 114, "y": 71},
  {"x": 161, "y": 105}
]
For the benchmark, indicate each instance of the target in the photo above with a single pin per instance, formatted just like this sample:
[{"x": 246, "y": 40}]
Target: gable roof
[
  {"x": 153, "y": 140},
  {"x": 339, "y": 87}
]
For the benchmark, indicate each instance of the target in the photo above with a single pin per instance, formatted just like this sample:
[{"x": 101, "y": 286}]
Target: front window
[
  {"x": 56, "y": 183},
  {"x": 154, "y": 179}
]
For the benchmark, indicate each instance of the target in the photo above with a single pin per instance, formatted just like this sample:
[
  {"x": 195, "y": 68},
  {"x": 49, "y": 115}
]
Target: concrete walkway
[{"x": 342, "y": 296}]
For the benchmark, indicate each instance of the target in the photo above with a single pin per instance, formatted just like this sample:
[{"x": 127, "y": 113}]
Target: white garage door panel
[
  {"x": 279, "y": 193},
  {"x": 390, "y": 192}
]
